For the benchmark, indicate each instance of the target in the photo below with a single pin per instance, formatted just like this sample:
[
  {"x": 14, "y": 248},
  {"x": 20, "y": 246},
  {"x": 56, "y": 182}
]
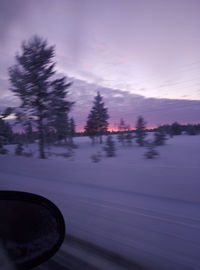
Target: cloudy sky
[{"x": 145, "y": 47}]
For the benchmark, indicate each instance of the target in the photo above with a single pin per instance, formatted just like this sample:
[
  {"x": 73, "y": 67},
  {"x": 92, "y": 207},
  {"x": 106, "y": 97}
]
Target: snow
[{"x": 146, "y": 210}]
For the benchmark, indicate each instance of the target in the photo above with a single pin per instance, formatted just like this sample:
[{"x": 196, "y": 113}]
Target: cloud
[
  {"x": 123, "y": 104},
  {"x": 143, "y": 48}
]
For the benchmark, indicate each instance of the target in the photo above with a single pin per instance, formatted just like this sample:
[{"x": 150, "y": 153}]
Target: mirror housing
[{"x": 32, "y": 228}]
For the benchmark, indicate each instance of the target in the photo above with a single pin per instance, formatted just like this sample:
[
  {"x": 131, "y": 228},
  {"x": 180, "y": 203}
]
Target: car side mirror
[{"x": 32, "y": 228}]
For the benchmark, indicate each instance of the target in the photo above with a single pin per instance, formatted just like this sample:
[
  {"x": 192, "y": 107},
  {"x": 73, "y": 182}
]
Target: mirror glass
[{"x": 31, "y": 228}]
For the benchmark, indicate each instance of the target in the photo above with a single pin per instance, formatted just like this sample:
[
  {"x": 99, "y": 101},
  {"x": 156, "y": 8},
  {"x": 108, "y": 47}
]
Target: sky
[{"x": 144, "y": 47}]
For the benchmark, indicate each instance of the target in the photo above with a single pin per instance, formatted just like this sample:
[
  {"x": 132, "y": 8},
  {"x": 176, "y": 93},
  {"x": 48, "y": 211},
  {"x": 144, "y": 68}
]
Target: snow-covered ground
[{"x": 146, "y": 210}]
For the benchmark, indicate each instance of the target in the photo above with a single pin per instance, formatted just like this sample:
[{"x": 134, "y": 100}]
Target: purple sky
[{"x": 145, "y": 47}]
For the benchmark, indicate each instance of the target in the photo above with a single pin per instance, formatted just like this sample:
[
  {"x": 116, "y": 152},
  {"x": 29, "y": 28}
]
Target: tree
[
  {"x": 3, "y": 151},
  {"x": 122, "y": 127},
  {"x": 160, "y": 137},
  {"x": 71, "y": 131},
  {"x": 140, "y": 131},
  {"x": 6, "y": 133},
  {"x": 151, "y": 151},
  {"x": 176, "y": 129},
  {"x": 129, "y": 138},
  {"x": 109, "y": 148},
  {"x": 19, "y": 149},
  {"x": 72, "y": 127},
  {"x": 29, "y": 132},
  {"x": 97, "y": 122},
  {"x": 31, "y": 80},
  {"x": 59, "y": 109},
  {"x": 191, "y": 129}
]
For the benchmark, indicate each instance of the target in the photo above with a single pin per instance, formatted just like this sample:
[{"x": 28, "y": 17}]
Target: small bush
[
  {"x": 65, "y": 155},
  {"x": 3, "y": 151},
  {"x": 96, "y": 157},
  {"x": 73, "y": 145},
  {"x": 26, "y": 154},
  {"x": 151, "y": 151},
  {"x": 160, "y": 137},
  {"x": 19, "y": 149},
  {"x": 110, "y": 148}
]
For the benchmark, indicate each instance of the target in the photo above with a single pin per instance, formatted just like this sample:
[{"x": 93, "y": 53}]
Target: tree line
[{"x": 44, "y": 108}]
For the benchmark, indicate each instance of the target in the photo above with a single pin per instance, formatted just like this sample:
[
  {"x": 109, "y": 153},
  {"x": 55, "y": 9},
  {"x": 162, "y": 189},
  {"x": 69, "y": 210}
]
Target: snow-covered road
[{"x": 151, "y": 230}]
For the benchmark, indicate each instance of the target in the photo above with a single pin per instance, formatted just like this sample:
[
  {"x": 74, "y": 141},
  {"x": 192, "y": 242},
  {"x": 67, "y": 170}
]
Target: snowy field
[{"x": 145, "y": 210}]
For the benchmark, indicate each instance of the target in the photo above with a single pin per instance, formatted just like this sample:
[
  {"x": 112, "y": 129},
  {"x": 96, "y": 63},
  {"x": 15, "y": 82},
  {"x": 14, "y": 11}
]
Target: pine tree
[
  {"x": 140, "y": 131},
  {"x": 29, "y": 132},
  {"x": 31, "y": 80},
  {"x": 71, "y": 132},
  {"x": 129, "y": 138},
  {"x": 151, "y": 151},
  {"x": 191, "y": 129},
  {"x": 109, "y": 148},
  {"x": 121, "y": 128},
  {"x": 176, "y": 129},
  {"x": 160, "y": 137},
  {"x": 72, "y": 127},
  {"x": 6, "y": 133},
  {"x": 60, "y": 107},
  {"x": 97, "y": 122}
]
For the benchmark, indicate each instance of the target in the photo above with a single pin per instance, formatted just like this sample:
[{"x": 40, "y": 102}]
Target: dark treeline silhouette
[{"x": 177, "y": 129}]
